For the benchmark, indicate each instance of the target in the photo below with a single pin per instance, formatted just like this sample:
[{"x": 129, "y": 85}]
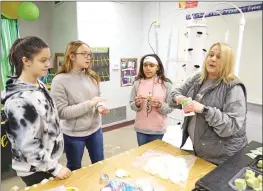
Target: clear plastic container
[
  {"x": 255, "y": 162},
  {"x": 241, "y": 174}
]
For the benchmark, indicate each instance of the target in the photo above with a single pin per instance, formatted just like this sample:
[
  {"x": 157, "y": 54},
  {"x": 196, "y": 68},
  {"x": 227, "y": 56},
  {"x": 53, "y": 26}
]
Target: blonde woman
[
  {"x": 218, "y": 128},
  {"x": 77, "y": 96}
]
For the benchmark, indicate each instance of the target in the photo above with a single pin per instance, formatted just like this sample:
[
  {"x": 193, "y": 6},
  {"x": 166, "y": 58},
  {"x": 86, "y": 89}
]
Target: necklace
[{"x": 148, "y": 97}]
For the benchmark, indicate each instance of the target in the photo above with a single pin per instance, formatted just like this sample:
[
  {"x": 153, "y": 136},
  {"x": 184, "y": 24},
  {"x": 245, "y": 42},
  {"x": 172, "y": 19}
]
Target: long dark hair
[
  {"x": 160, "y": 72},
  {"x": 24, "y": 47}
]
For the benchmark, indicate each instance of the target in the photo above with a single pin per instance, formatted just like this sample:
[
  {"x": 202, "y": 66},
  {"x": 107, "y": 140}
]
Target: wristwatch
[{"x": 205, "y": 110}]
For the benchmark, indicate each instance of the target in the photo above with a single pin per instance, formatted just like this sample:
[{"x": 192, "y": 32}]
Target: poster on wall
[
  {"x": 187, "y": 4},
  {"x": 101, "y": 62},
  {"x": 128, "y": 71},
  {"x": 58, "y": 61}
]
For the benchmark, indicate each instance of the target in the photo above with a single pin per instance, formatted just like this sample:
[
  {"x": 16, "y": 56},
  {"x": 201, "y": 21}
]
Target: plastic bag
[
  {"x": 133, "y": 184},
  {"x": 146, "y": 184},
  {"x": 165, "y": 166},
  {"x": 119, "y": 185}
]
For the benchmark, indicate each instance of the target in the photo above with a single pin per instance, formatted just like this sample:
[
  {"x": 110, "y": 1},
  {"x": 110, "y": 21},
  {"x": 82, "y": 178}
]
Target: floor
[{"x": 115, "y": 142}]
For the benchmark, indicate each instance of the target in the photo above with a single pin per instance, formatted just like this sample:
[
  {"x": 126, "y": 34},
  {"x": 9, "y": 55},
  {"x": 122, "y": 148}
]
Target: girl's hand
[
  {"x": 95, "y": 100},
  {"x": 64, "y": 173},
  {"x": 156, "y": 103},
  {"x": 138, "y": 100},
  {"x": 103, "y": 110}
]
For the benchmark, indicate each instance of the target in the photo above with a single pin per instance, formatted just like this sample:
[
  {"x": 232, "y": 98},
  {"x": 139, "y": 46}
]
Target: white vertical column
[{"x": 195, "y": 49}]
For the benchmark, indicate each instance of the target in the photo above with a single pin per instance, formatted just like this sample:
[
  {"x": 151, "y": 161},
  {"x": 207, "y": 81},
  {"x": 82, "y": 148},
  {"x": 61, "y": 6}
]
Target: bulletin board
[
  {"x": 128, "y": 71},
  {"x": 101, "y": 62}
]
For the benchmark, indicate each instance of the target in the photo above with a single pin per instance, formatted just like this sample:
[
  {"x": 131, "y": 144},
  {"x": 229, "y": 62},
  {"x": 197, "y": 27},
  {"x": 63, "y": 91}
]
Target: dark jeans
[
  {"x": 36, "y": 178},
  {"x": 74, "y": 149},
  {"x": 146, "y": 138}
]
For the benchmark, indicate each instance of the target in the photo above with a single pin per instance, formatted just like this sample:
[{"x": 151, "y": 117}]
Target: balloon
[
  {"x": 28, "y": 11},
  {"x": 10, "y": 9}
]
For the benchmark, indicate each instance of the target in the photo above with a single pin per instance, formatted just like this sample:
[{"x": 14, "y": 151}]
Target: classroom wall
[
  {"x": 57, "y": 25},
  {"x": 120, "y": 29},
  {"x": 64, "y": 26},
  {"x": 40, "y": 27}
]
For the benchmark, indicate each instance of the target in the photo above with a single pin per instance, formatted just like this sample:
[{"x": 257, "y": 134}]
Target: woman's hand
[
  {"x": 193, "y": 106},
  {"x": 198, "y": 107},
  {"x": 179, "y": 99},
  {"x": 103, "y": 110}
]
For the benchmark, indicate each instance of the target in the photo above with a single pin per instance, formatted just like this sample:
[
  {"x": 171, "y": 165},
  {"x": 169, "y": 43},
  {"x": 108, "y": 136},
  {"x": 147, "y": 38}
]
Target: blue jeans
[
  {"x": 74, "y": 149},
  {"x": 146, "y": 138}
]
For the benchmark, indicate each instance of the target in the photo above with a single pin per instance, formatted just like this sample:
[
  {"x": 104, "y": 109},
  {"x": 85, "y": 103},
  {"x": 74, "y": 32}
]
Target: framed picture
[
  {"x": 101, "y": 62},
  {"x": 58, "y": 61},
  {"x": 128, "y": 71}
]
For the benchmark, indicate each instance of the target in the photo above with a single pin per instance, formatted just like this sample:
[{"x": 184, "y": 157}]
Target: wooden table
[{"x": 87, "y": 178}]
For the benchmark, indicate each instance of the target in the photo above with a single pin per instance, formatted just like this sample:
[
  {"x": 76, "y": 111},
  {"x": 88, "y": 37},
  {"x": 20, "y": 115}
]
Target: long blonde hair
[
  {"x": 226, "y": 63},
  {"x": 67, "y": 65}
]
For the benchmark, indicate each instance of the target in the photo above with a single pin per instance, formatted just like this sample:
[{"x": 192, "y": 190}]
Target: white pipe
[
  {"x": 239, "y": 44},
  {"x": 178, "y": 37},
  {"x": 184, "y": 10},
  {"x": 168, "y": 52},
  {"x": 227, "y": 31},
  {"x": 158, "y": 10},
  {"x": 242, "y": 23},
  {"x": 226, "y": 36},
  {"x": 171, "y": 33},
  {"x": 156, "y": 28},
  {"x": 224, "y": 3}
]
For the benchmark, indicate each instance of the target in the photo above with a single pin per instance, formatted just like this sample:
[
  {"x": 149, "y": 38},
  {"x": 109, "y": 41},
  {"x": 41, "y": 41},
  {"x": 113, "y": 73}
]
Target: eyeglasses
[{"x": 85, "y": 54}]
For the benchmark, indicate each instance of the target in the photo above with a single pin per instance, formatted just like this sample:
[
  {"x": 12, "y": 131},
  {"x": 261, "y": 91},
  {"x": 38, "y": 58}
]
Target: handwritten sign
[
  {"x": 6, "y": 154},
  {"x": 4, "y": 141}
]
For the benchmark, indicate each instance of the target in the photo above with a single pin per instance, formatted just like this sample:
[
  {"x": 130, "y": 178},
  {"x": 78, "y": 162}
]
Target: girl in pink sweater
[{"x": 149, "y": 99}]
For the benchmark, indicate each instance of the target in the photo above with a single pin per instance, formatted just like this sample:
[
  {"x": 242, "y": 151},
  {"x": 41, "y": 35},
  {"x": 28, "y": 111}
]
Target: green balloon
[{"x": 28, "y": 11}]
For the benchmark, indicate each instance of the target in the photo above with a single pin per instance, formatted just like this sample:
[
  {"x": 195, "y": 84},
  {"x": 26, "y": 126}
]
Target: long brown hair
[
  {"x": 67, "y": 65},
  {"x": 160, "y": 72}
]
